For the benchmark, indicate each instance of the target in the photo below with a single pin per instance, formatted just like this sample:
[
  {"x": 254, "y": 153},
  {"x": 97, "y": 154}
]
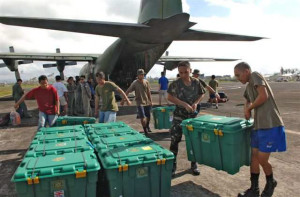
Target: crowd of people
[{"x": 186, "y": 92}]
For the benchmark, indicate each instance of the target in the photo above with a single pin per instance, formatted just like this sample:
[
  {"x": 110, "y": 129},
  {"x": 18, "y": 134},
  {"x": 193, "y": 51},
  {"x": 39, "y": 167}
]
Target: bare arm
[
  {"x": 247, "y": 113},
  {"x": 124, "y": 96},
  {"x": 194, "y": 106},
  {"x": 149, "y": 95},
  {"x": 177, "y": 101},
  {"x": 57, "y": 106},
  {"x": 21, "y": 100},
  {"x": 96, "y": 104},
  {"x": 260, "y": 99}
]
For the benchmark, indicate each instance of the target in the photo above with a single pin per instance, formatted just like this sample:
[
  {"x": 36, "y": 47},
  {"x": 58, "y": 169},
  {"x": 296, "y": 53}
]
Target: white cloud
[{"x": 249, "y": 18}]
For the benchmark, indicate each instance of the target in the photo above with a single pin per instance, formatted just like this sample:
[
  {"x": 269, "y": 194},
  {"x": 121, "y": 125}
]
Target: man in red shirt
[{"x": 47, "y": 100}]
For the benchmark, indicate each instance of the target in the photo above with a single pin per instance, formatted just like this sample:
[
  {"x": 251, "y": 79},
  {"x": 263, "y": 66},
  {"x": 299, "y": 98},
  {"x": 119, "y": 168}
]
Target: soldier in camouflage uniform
[{"x": 186, "y": 92}]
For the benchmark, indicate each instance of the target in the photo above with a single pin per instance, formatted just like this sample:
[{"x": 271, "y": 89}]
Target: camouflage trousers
[{"x": 176, "y": 129}]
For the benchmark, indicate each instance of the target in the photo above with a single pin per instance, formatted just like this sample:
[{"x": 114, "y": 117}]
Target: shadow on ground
[
  {"x": 189, "y": 188},
  {"x": 7, "y": 169}
]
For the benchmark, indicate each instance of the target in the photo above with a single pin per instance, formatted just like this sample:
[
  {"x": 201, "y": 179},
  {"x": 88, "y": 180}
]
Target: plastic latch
[
  {"x": 29, "y": 181},
  {"x": 190, "y": 127},
  {"x": 158, "y": 162},
  {"x": 35, "y": 180},
  {"x": 64, "y": 122},
  {"x": 163, "y": 110},
  {"x": 221, "y": 133},
  {"x": 85, "y": 122},
  {"x": 123, "y": 168},
  {"x": 163, "y": 161},
  {"x": 216, "y": 131},
  {"x": 81, "y": 174}
]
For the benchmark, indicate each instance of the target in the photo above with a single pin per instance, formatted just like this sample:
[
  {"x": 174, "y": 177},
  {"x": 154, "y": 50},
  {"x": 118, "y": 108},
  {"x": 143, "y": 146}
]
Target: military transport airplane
[{"x": 140, "y": 45}]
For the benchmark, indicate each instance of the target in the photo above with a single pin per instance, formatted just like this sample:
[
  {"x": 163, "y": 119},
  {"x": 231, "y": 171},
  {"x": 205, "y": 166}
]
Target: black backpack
[{"x": 4, "y": 120}]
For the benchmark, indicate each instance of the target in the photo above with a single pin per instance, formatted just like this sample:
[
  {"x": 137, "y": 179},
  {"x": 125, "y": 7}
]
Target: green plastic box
[
  {"x": 59, "y": 136},
  {"x": 163, "y": 117},
  {"x": 138, "y": 170},
  {"x": 73, "y": 175},
  {"x": 95, "y": 133},
  {"x": 218, "y": 141},
  {"x": 58, "y": 148},
  {"x": 48, "y": 130},
  {"x": 74, "y": 120},
  {"x": 103, "y": 144}
]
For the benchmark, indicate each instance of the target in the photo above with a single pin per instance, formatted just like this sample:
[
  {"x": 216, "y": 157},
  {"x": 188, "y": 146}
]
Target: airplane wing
[
  {"x": 171, "y": 62},
  {"x": 123, "y": 30},
  {"x": 214, "y": 36},
  {"x": 50, "y": 56},
  {"x": 113, "y": 29}
]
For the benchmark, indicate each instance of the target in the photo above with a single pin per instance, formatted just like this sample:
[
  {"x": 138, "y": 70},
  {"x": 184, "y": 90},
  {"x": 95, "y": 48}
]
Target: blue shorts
[
  {"x": 143, "y": 111},
  {"x": 269, "y": 140},
  {"x": 212, "y": 96}
]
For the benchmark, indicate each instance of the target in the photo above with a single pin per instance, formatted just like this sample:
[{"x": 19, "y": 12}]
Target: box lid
[
  {"x": 61, "y": 129},
  {"x": 112, "y": 142},
  {"x": 56, "y": 165},
  {"x": 228, "y": 124},
  {"x": 56, "y": 148},
  {"x": 134, "y": 155},
  {"x": 56, "y": 137}
]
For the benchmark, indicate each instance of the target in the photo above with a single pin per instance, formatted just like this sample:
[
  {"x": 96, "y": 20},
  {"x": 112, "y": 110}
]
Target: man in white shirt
[{"x": 63, "y": 95}]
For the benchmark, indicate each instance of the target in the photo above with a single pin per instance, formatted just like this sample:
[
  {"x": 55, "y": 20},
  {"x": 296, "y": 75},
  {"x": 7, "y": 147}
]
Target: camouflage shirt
[{"x": 188, "y": 94}]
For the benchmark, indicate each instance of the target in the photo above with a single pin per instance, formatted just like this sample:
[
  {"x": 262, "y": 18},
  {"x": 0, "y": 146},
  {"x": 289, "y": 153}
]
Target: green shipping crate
[
  {"x": 59, "y": 136},
  {"x": 163, "y": 117},
  {"x": 139, "y": 170},
  {"x": 58, "y": 148},
  {"x": 74, "y": 120},
  {"x": 95, "y": 134},
  {"x": 218, "y": 141},
  {"x": 104, "y": 144},
  {"x": 72, "y": 175},
  {"x": 49, "y": 130}
]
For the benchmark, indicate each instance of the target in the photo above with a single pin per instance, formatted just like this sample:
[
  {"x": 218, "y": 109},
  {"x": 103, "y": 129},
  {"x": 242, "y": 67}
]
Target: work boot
[
  {"x": 174, "y": 169},
  {"x": 253, "y": 191},
  {"x": 194, "y": 168},
  {"x": 269, "y": 188},
  {"x": 149, "y": 130}
]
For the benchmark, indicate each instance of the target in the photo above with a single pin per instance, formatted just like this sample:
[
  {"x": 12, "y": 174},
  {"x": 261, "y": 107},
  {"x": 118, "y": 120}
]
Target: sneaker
[
  {"x": 217, "y": 107},
  {"x": 149, "y": 130},
  {"x": 269, "y": 188},
  {"x": 194, "y": 168},
  {"x": 252, "y": 192}
]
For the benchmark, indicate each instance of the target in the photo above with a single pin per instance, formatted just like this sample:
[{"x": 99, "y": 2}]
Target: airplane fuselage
[{"x": 121, "y": 60}]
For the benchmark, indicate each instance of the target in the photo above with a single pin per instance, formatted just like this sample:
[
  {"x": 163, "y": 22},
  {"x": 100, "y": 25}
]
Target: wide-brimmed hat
[
  {"x": 140, "y": 72},
  {"x": 196, "y": 72}
]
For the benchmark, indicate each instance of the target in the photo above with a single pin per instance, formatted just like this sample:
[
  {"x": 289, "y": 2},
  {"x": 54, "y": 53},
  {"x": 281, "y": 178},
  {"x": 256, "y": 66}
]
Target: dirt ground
[{"x": 14, "y": 142}]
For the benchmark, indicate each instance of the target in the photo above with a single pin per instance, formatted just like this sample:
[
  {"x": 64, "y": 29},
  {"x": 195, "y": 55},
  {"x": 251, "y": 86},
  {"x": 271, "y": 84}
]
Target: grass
[{"x": 6, "y": 90}]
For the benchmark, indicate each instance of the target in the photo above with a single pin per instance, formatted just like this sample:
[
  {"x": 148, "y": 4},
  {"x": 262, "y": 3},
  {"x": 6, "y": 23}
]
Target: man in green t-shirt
[
  {"x": 268, "y": 134},
  {"x": 196, "y": 74},
  {"x": 143, "y": 99},
  {"x": 214, "y": 84},
  {"x": 17, "y": 93},
  {"x": 109, "y": 107}
]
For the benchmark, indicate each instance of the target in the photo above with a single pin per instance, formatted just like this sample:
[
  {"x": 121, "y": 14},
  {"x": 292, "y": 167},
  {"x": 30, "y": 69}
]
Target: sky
[{"x": 276, "y": 20}]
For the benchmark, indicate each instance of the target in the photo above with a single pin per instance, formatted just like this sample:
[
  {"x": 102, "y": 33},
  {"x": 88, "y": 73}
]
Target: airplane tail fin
[{"x": 160, "y": 9}]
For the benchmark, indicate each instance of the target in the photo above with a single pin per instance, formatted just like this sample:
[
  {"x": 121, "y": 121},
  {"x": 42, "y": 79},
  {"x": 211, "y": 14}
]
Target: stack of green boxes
[
  {"x": 218, "y": 141},
  {"x": 74, "y": 120},
  {"x": 59, "y": 162},
  {"x": 132, "y": 164},
  {"x": 163, "y": 117}
]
